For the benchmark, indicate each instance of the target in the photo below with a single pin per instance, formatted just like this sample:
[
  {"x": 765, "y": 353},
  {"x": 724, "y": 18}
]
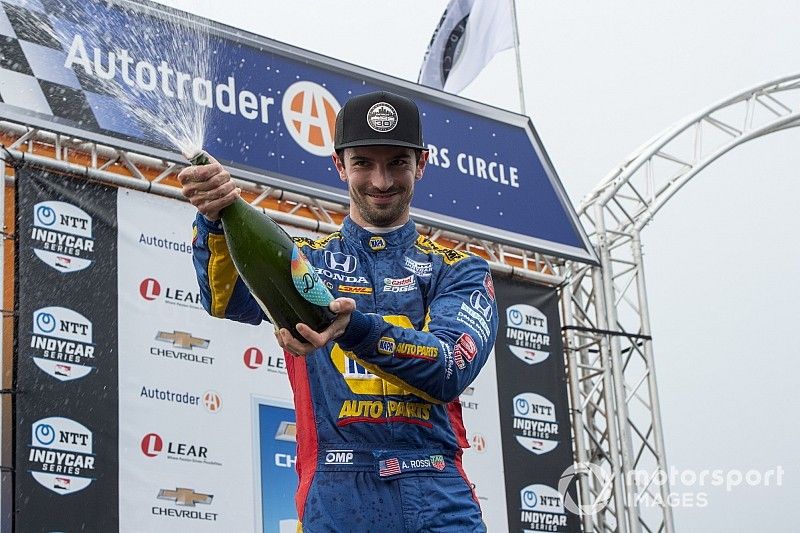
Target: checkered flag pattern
[{"x": 32, "y": 72}]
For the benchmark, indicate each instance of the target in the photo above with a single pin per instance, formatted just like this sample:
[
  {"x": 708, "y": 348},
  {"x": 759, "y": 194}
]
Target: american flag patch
[{"x": 389, "y": 467}]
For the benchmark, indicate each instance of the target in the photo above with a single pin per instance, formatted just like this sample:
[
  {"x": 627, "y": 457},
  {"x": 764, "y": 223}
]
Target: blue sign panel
[{"x": 269, "y": 111}]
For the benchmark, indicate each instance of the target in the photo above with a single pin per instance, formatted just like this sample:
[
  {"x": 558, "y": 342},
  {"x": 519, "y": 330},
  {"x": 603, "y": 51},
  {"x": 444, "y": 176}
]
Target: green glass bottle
[{"x": 277, "y": 273}]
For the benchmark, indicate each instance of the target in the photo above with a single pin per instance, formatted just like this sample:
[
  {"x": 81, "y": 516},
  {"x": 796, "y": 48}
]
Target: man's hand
[
  {"x": 208, "y": 187},
  {"x": 343, "y": 307}
]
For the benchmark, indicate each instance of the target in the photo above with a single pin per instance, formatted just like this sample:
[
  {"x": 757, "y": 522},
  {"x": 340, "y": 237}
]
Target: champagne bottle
[{"x": 274, "y": 269}]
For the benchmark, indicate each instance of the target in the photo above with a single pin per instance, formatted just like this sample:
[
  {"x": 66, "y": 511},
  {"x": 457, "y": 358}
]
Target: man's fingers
[{"x": 343, "y": 305}]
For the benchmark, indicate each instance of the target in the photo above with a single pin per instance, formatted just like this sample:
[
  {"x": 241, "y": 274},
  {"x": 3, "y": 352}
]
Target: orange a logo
[{"x": 309, "y": 113}]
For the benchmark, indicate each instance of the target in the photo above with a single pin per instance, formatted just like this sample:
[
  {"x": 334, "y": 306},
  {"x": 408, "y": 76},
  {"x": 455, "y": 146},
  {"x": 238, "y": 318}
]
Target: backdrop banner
[
  {"x": 268, "y": 109},
  {"x": 138, "y": 411},
  {"x": 66, "y": 354},
  {"x": 534, "y": 409}
]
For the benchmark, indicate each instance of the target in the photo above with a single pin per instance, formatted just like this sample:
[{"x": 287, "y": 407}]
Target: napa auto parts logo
[
  {"x": 526, "y": 333},
  {"x": 535, "y": 425},
  {"x": 61, "y": 457},
  {"x": 309, "y": 113},
  {"x": 61, "y": 343},
  {"x": 62, "y": 236}
]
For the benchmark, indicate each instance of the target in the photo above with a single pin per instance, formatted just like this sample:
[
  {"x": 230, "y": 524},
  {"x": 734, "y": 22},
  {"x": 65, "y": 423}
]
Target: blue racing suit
[{"x": 379, "y": 422}]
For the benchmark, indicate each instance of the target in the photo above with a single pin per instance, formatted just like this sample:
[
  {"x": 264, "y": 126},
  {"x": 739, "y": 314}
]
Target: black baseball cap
[{"x": 378, "y": 118}]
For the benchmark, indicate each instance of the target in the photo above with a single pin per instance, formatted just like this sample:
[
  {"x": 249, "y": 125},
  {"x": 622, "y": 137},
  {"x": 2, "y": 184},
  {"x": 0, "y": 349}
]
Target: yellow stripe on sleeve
[{"x": 222, "y": 274}]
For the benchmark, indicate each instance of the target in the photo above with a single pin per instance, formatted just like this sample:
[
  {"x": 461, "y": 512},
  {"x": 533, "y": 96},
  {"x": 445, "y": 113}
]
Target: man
[{"x": 376, "y": 394}]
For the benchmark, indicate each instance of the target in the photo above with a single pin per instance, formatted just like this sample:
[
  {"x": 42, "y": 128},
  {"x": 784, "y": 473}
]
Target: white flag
[{"x": 469, "y": 34}]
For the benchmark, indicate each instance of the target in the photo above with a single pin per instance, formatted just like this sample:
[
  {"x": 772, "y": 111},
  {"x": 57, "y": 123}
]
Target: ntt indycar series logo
[
  {"x": 535, "y": 425},
  {"x": 62, "y": 236},
  {"x": 61, "y": 343},
  {"x": 526, "y": 333},
  {"x": 61, "y": 457},
  {"x": 542, "y": 509}
]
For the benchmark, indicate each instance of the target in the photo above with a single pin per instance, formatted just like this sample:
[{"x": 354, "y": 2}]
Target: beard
[{"x": 382, "y": 216}]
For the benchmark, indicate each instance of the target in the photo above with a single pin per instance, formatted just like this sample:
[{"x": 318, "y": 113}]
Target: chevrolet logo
[
  {"x": 182, "y": 339},
  {"x": 185, "y": 497}
]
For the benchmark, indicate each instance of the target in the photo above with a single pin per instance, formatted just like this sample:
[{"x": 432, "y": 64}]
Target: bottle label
[{"x": 306, "y": 280}]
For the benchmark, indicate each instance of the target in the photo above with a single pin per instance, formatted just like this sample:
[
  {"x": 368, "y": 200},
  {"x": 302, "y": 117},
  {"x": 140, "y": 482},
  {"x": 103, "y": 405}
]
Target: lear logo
[
  {"x": 182, "y": 339},
  {"x": 62, "y": 236},
  {"x": 253, "y": 358},
  {"x": 309, "y": 113},
  {"x": 213, "y": 401},
  {"x": 152, "y": 445},
  {"x": 185, "y": 497},
  {"x": 341, "y": 262},
  {"x": 150, "y": 289}
]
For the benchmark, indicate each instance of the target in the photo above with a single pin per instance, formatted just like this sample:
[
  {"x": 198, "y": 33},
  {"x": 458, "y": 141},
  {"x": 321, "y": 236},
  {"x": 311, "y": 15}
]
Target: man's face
[{"x": 381, "y": 181}]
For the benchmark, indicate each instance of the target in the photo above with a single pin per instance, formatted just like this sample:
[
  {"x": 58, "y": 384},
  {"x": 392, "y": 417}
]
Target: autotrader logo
[
  {"x": 309, "y": 113},
  {"x": 595, "y": 476}
]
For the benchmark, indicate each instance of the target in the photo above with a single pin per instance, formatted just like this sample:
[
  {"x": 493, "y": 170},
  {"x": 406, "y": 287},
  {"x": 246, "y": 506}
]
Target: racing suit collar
[{"x": 401, "y": 237}]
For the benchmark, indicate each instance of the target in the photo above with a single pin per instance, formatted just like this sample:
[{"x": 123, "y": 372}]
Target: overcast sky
[{"x": 722, "y": 258}]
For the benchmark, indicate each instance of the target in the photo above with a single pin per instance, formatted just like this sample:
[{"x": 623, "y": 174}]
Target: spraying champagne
[{"x": 274, "y": 269}]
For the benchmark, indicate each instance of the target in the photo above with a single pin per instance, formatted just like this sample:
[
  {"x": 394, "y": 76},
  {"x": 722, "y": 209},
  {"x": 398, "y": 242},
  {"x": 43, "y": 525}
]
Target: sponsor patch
[
  {"x": 437, "y": 461},
  {"x": 352, "y": 289},
  {"x": 481, "y": 304},
  {"x": 382, "y": 117},
  {"x": 423, "y": 270},
  {"x": 338, "y": 457},
  {"x": 407, "y": 284},
  {"x": 488, "y": 284},
  {"x": 341, "y": 262},
  {"x": 377, "y": 243},
  {"x": 411, "y": 463},
  {"x": 386, "y": 345},
  {"x": 417, "y": 351},
  {"x": 380, "y": 412},
  {"x": 464, "y": 351},
  {"x": 450, "y": 256}
]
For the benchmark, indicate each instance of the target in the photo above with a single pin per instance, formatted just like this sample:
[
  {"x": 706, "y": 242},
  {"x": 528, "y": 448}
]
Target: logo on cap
[{"x": 382, "y": 117}]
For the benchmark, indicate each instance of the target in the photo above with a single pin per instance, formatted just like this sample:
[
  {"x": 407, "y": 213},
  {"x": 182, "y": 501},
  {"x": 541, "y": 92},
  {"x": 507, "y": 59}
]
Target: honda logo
[
  {"x": 341, "y": 262},
  {"x": 481, "y": 304}
]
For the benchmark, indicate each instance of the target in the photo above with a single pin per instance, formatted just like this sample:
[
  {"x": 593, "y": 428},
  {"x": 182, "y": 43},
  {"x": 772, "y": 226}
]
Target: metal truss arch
[{"x": 616, "y": 410}]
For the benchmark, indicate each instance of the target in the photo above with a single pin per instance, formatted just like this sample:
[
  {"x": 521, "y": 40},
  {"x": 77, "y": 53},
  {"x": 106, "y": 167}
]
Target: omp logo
[
  {"x": 61, "y": 343},
  {"x": 182, "y": 339},
  {"x": 61, "y": 455},
  {"x": 341, "y": 262},
  {"x": 309, "y": 113},
  {"x": 62, "y": 236},
  {"x": 339, "y": 457},
  {"x": 150, "y": 289},
  {"x": 542, "y": 505},
  {"x": 526, "y": 333},
  {"x": 535, "y": 426}
]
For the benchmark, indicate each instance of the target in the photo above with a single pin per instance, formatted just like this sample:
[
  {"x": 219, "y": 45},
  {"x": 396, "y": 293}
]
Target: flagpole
[{"x": 519, "y": 62}]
